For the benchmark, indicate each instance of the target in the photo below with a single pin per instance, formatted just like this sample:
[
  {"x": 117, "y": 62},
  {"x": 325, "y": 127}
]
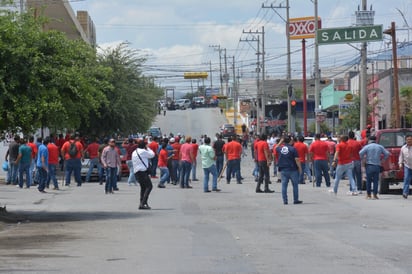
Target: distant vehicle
[
  {"x": 199, "y": 101},
  {"x": 182, "y": 103},
  {"x": 227, "y": 130},
  {"x": 391, "y": 139},
  {"x": 154, "y": 132}
]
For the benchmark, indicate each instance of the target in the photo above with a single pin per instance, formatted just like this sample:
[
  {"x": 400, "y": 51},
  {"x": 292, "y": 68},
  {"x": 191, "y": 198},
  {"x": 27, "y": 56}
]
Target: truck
[{"x": 392, "y": 140}]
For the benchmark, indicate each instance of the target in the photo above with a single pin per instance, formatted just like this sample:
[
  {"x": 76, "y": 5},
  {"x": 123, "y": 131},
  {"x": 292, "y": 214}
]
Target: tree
[
  {"x": 406, "y": 105},
  {"x": 46, "y": 79},
  {"x": 132, "y": 98}
]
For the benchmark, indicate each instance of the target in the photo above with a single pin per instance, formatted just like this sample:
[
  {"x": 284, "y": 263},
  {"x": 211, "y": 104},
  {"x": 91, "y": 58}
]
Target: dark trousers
[
  {"x": 145, "y": 186},
  {"x": 263, "y": 174}
]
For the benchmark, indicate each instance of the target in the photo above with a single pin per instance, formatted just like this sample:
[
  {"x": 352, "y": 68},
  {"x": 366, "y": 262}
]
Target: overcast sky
[{"x": 177, "y": 35}]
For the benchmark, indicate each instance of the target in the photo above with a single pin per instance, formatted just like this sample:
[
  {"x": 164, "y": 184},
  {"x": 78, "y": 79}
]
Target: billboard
[{"x": 303, "y": 27}]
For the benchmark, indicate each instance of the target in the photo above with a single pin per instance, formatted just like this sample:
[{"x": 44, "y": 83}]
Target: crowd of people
[{"x": 175, "y": 156}]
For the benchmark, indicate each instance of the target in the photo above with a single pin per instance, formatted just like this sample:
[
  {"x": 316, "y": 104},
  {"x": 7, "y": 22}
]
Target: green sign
[{"x": 349, "y": 35}]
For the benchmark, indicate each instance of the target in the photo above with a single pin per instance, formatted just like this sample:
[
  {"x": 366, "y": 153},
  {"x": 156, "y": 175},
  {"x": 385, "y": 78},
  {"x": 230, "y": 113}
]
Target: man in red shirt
[
  {"x": 357, "y": 168},
  {"x": 93, "y": 152},
  {"x": 233, "y": 151},
  {"x": 303, "y": 152},
  {"x": 318, "y": 152},
  {"x": 176, "y": 168},
  {"x": 72, "y": 164},
  {"x": 154, "y": 146},
  {"x": 194, "y": 164},
  {"x": 53, "y": 163},
  {"x": 34, "y": 151},
  {"x": 343, "y": 163},
  {"x": 264, "y": 160}
]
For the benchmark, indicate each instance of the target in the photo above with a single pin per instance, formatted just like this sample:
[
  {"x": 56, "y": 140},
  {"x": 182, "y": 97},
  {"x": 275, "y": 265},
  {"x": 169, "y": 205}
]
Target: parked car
[
  {"x": 154, "y": 132},
  {"x": 227, "y": 130},
  {"x": 391, "y": 139},
  {"x": 183, "y": 103}
]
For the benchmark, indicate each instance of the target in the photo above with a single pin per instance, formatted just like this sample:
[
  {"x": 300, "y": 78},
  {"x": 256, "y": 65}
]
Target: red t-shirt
[
  {"x": 344, "y": 153},
  {"x": 195, "y": 149},
  {"x": 356, "y": 147},
  {"x": 162, "y": 162},
  {"x": 33, "y": 149},
  {"x": 53, "y": 153},
  {"x": 93, "y": 150},
  {"x": 302, "y": 150},
  {"x": 176, "y": 150},
  {"x": 66, "y": 148},
  {"x": 261, "y": 146},
  {"x": 154, "y": 146},
  {"x": 232, "y": 150},
  {"x": 319, "y": 149}
]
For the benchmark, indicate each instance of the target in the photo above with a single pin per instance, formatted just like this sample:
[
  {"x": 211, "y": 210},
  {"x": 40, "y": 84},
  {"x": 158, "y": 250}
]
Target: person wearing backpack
[{"x": 72, "y": 153}]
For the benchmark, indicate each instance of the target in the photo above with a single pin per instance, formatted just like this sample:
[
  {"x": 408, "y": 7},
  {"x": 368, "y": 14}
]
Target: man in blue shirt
[
  {"x": 42, "y": 165},
  {"x": 289, "y": 167},
  {"x": 373, "y": 153}
]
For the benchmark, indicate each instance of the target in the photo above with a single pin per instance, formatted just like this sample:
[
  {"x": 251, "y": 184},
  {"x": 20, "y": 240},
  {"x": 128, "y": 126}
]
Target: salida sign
[{"x": 349, "y": 34}]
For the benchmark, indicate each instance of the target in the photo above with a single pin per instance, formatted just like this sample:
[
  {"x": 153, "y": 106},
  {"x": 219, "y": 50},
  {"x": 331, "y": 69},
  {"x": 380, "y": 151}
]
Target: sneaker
[
  {"x": 354, "y": 193},
  {"x": 405, "y": 196},
  {"x": 297, "y": 202},
  {"x": 375, "y": 197},
  {"x": 332, "y": 191},
  {"x": 160, "y": 186},
  {"x": 368, "y": 197},
  {"x": 349, "y": 193},
  {"x": 216, "y": 189}
]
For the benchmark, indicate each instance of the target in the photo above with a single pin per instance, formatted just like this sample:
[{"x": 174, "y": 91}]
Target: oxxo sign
[
  {"x": 349, "y": 34},
  {"x": 303, "y": 27}
]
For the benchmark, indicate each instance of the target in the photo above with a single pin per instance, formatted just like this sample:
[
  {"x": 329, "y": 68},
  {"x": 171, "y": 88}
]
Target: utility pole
[
  {"x": 259, "y": 96},
  {"x": 234, "y": 94},
  {"x": 217, "y": 47},
  {"x": 210, "y": 74},
  {"x": 291, "y": 126},
  {"x": 316, "y": 72}
]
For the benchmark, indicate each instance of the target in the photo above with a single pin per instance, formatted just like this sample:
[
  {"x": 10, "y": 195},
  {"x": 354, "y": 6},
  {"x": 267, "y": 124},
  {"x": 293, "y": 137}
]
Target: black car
[{"x": 228, "y": 130}]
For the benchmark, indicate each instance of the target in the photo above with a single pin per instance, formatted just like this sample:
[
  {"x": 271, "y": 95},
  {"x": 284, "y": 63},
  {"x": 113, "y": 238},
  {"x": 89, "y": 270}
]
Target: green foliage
[
  {"x": 132, "y": 98},
  {"x": 47, "y": 80},
  {"x": 405, "y": 104}
]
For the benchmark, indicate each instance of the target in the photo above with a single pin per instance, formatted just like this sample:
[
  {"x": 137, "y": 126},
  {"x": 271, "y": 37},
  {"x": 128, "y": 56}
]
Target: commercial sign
[
  {"x": 303, "y": 27},
  {"x": 195, "y": 75},
  {"x": 349, "y": 34}
]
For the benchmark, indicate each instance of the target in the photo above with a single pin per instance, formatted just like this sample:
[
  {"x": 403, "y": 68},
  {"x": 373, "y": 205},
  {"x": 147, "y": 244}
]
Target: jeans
[
  {"x": 164, "y": 175},
  {"x": 24, "y": 168},
  {"x": 73, "y": 165},
  {"x": 407, "y": 176},
  {"x": 321, "y": 169},
  {"x": 340, "y": 171},
  {"x": 219, "y": 164},
  {"x": 301, "y": 175},
  {"x": 111, "y": 178},
  {"x": 194, "y": 164},
  {"x": 263, "y": 174},
  {"x": 42, "y": 178},
  {"x": 233, "y": 166},
  {"x": 132, "y": 178},
  {"x": 176, "y": 170},
  {"x": 308, "y": 171},
  {"x": 32, "y": 169},
  {"x": 206, "y": 171},
  {"x": 255, "y": 171},
  {"x": 51, "y": 176},
  {"x": 293, "y": 175},
  {"x": 93, "y": 163},
  {"x": 357, "y": 174},
  {"x": 12, "y": 173},
  {"x": 185, "y": 175},
  {"x": 154, "y": 161},
  {"x": 372, "y": 176}
]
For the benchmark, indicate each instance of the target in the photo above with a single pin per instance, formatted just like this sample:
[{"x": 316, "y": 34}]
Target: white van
[{"x": 182, "y": 103}]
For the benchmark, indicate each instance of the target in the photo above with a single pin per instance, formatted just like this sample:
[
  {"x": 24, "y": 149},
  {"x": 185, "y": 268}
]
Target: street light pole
[{"x": 392, "y": 32}]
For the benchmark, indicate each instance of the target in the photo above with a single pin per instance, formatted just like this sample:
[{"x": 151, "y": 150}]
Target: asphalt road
[{"x": 82, "y": 230}]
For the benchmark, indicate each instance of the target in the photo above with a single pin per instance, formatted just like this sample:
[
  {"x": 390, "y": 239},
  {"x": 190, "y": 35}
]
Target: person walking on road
[
  {"x": 405, "y": 162},
  {"x": 289, "y": 167},
  {"x": 220, "y": 157},
  {"x": 373, "y": 154},
  {"x": 319, "y": 155},
  {"x": 187, "y": 158},
  {"x": 140, "y": 158},
  {"x": 23, "y": 161},
  {"x": 72, "y": 153},
  {"x": 130, "y": 146},
  {"x": 111, "y": 163},
  {"x": 264, "y": 159},
  {"x": 163, "y": 157},
  {"x": 343, "y": 161},
  {"x": 42, "y": 165},
  {"x": 11, "y": 156},
  {"x": 233, "y": 151},
  {"x": 207, "y": 154}
]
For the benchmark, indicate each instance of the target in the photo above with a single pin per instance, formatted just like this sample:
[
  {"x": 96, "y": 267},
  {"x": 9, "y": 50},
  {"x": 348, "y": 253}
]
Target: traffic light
[{"x": 293, "y": 106}]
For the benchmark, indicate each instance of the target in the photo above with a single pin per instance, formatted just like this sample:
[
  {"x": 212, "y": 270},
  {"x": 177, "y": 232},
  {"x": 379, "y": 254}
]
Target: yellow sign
[
  {"x": 195, "y": 75},
  {"x": 349, "y": 96}
]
